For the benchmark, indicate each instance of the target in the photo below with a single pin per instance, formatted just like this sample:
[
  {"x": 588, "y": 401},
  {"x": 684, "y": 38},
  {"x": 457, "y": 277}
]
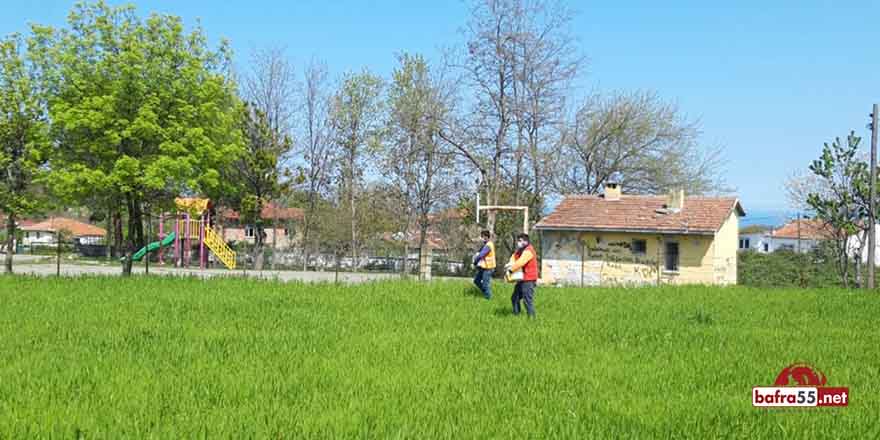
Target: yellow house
[{"x": 621, "y": 239}]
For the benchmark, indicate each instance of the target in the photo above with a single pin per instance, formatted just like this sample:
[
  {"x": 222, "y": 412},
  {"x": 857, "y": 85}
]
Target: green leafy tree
[
  {"x": 141, "y": 110},
  {"x": 844, "y": 203},
  {"x": 356, "y": 119},
  {"x": 254, "y": 179},
  {"x": 23, "y": 135},
  {"x": 418, "y": 163}
]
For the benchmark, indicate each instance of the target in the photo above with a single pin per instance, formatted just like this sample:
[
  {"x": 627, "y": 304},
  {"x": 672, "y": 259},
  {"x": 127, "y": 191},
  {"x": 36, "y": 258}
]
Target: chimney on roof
[
  {"x": 675, "y": 200},
  {"x": 612, "y": 190}
]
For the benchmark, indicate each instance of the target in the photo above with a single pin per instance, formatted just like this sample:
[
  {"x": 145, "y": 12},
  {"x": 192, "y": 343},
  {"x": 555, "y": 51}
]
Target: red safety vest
[{"x": 530, "y": 270}]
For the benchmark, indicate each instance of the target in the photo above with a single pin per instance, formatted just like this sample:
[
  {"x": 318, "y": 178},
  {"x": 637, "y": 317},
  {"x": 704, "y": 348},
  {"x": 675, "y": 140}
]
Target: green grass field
[{"x": 185, "y": 358}]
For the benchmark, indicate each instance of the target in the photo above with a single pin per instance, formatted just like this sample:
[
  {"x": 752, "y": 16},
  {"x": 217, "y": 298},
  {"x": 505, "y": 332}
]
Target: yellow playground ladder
[{"x": 219, "y": 247}]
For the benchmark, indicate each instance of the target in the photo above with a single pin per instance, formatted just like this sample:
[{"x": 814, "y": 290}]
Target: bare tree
[
  {"x": 798, "y": 187},
  {"x": 316, "y": 138},
  {"x": 519, "y": 62},
  {"x": 270, "y": 89},
  {"x": 546, "y": 62},
  {"x": 640, "y": 137},
  {"x": 481, "y": 137}
]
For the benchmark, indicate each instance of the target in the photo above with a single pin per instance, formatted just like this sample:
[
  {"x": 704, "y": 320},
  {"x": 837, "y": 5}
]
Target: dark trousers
[
  {"x": 483, "y": 281},
  {"x": 524, "y": 291}
]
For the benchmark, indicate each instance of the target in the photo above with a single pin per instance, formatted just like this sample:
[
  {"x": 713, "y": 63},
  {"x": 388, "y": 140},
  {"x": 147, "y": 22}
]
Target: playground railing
[{"x": 223, "y": 252}]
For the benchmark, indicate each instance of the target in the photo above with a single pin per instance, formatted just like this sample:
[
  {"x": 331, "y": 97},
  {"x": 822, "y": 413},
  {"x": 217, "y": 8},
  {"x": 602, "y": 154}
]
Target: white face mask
[{"x": 521, "y": 244}]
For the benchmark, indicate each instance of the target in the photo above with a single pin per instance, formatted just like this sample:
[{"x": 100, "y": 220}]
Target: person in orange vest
[
  {"x": 525, "y": 259},
  {"x": 485, "y": 263}
]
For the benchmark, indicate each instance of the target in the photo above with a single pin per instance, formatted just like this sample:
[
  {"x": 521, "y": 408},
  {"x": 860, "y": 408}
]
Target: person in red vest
[{"x": 526, "y": 259}]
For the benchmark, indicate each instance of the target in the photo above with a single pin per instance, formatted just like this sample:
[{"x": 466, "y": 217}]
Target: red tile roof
[
  {"x": 809, "y": 230},
  {"x": 74, "y": 227},
  {"x": 700, "y": 215},
  {"x": 270, "y": 211}
]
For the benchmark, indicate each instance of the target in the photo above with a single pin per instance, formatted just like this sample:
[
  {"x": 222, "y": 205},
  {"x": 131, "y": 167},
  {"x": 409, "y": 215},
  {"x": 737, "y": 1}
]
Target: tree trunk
[
  {"x": 305, "y": 246},
  {"x": 58, "y": 253},
  {"x": 274, "y": 241},
  {"x": 10, "y": 240},
  {"x": 147, "y": 255},
  {"x": 336, "y": 253},
  {"x": 258, "y": 248},
  {"x": 107, "y": 239},
  {"x": 138, "y": 225},
  {"x": 858, "y": 263},
  {"x": 423, "y": 243},
  {"x": 118, "y": 238},
  {"x": 354, "y": 248},
  {"x": 129, "y": 241},
  {"x": 405, "y": 263}
]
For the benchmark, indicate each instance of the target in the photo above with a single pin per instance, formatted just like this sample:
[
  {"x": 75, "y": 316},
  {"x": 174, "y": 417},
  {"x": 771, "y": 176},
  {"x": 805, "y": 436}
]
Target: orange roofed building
[
  {"x": 42, "y": 233},
  {"x": 286, "y": 232},
  {"x": 622, "y": 239},
  {"x": 797, "y": 235}
]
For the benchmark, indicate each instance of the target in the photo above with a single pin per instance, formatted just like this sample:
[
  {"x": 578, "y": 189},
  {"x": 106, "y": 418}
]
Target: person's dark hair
[
  {"x": 485, "y": 234},
  {"x": 523, "y": 236}
]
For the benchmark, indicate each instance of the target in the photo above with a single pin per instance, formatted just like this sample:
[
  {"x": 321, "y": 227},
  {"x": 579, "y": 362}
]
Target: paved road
[
  {"x": 23, "y": 258},
  {"x": 283, "y": 275}
]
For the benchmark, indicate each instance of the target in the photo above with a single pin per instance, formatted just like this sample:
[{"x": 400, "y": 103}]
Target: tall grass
[{"x": 183, "y": 358}]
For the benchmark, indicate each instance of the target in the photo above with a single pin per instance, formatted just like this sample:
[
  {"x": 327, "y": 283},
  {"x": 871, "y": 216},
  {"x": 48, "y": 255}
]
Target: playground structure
[{"x": 192, "y": 227}]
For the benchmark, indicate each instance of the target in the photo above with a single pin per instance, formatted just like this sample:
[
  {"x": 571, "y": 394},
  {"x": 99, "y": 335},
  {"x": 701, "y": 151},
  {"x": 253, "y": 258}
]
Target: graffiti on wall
[{"x": 573, "y": 258}]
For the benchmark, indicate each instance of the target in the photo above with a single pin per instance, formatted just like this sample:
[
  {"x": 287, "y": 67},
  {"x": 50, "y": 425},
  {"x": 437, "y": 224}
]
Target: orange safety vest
[
  {"x": 530, "y": 270},
  {"x": 488, "y": 262}
]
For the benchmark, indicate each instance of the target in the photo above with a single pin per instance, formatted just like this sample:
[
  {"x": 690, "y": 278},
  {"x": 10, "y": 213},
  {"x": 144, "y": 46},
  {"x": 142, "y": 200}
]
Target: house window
[
  {"x": 748, "y": 245},
  {"x": 766, "y": 247},
  {"x": 249, "y": 231},
  {"x": 639, "y": 247},
  {"x": 287, "y": 232},
  {"x": 744, "y": 243},
  {"x": 671, "y": 256},
  {"x": 38, "y": 235}
]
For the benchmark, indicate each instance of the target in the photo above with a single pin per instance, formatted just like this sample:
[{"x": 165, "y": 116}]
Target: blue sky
[{"x": 769, "y": 83}]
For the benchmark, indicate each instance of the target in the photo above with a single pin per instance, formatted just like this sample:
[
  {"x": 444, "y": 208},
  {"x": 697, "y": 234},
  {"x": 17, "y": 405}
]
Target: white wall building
[
  {"x": 860, "y": 242},
  {"x": 796, "y": 236}
]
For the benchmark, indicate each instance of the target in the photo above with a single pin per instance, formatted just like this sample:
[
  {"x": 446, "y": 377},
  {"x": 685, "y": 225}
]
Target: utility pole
[
  {"x": 872, "y": 237},
  {"x": 799, "y": 255}
]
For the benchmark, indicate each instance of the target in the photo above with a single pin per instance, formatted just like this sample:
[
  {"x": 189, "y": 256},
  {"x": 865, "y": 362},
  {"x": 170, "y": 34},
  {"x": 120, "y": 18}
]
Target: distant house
[
  {"x": 858, "y": 244},
  {"x": 43, "y": 233},
  {"x": 754, "y": 238},
  {"x": 798, "y": 236},
  {"x": 286, "y": 223},
  {"x": 624, "y": 239},
  {"x": 18, "y": 224},
  {"x": 447, "y": 233}
]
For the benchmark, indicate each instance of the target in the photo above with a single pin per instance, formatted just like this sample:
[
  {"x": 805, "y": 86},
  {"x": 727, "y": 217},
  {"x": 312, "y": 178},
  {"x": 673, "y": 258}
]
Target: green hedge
[{"x": 788, "y": 269}]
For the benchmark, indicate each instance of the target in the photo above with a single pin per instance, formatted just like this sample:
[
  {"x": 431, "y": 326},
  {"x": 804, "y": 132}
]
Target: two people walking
[{"x": 524, "y": 260}]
